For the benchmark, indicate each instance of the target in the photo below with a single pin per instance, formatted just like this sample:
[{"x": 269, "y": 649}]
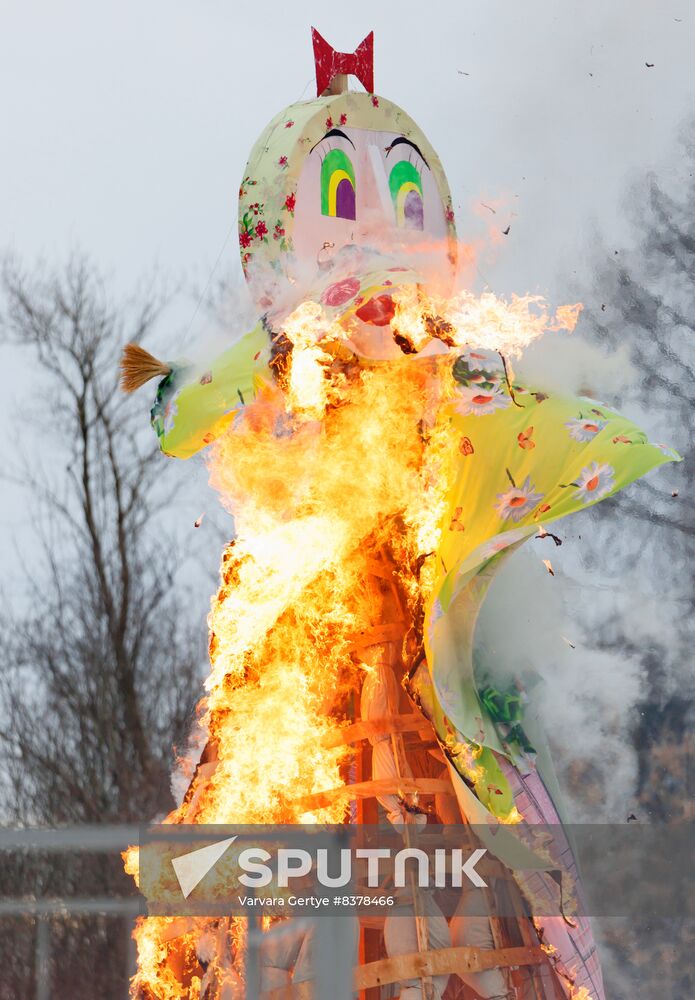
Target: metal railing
[
  {"x": 46, "y": 911},
  {"x": 332, "y": 961}
]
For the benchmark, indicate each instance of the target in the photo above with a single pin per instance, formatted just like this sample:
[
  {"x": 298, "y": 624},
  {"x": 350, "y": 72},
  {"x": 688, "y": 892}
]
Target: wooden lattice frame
[{"x": 441, "y": 961}]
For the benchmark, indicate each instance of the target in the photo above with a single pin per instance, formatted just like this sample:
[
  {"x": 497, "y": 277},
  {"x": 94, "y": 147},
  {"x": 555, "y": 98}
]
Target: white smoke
[
  {"x": 533, "y": 628},
  {"x": 585, "y": 699}
]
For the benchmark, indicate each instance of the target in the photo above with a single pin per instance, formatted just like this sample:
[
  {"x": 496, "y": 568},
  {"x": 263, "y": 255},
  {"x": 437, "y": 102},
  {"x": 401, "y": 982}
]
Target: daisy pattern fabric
[{"x": 523, "y": 458}]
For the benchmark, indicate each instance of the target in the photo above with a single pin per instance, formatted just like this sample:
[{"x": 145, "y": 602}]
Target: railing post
[
  {"x": 42, "y": 958},
  {"x": 334, "y": 957},
  {"x": 131, "y": 953},
  {"x": 254, "y": 937}
]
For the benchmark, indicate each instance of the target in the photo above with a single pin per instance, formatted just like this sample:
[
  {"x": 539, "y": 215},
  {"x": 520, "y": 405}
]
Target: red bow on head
[{"x": 330, "y": 63}]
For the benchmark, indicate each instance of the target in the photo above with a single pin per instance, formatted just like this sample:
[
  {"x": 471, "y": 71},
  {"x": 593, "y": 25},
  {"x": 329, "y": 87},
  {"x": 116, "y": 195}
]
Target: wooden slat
[
  {"x": 199, "y": 782},
  {"x": 364, "y": 730},
  {"x": 415, "y": 965},
  {"x": 367, "y": 812},
  {"x": 442, "y": 961},
  {"x": 381, "y": 786},
  {"x": 375, "y": 635},
  {"x": 377, "y": 567}
]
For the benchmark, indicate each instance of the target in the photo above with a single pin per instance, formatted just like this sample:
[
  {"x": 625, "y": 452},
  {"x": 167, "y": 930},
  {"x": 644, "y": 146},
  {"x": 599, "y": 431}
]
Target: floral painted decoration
[
  {"x": 595, "y": 482},
  {"x": 517, "y": 502}
]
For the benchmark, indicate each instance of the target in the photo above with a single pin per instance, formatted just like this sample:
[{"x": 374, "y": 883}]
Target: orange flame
[
  {"x": 316, "y": 471},
  {"x": 483, "y": 321}
]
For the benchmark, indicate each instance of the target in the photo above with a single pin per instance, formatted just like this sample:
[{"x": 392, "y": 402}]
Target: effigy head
[{"x": 347, "y": 172}]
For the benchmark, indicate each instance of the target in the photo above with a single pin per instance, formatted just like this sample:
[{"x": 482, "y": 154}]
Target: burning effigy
[{"x": 381, "y": 461}]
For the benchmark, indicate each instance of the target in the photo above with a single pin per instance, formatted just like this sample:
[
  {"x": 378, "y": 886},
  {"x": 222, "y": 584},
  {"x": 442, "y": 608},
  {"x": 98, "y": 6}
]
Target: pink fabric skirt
[{"x": 575, "y": 954}]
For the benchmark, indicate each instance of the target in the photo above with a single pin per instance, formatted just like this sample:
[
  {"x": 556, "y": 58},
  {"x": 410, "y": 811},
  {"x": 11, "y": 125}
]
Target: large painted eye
[
  {"x": 338, "y": 185},
  {"x": 405, "y": 184}
]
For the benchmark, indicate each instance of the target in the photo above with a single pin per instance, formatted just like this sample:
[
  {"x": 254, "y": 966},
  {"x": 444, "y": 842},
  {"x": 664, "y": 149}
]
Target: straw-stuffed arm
[{"x": 193, "y": 405}]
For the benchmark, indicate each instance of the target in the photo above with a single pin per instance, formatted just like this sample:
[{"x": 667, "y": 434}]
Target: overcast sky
[{"x": 126, "y": 125}]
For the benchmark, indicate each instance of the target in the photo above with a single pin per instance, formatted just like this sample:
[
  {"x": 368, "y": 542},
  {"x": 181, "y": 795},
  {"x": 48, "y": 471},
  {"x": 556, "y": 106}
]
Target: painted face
[
  {"x": 343, "y": 182},
  {"x": 374, "y": 190},
  {"x": 371, "y": 189}
]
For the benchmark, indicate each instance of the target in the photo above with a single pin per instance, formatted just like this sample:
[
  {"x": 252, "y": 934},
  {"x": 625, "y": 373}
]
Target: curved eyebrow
[
  {"x": 402, "y": 140},
  {"x": 334, "y": 133}
]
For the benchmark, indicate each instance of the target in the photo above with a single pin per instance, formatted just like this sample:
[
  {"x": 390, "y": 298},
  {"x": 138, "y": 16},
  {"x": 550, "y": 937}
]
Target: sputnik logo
[
  {"x": 297, "y": 863},
  {"x": 192, "y": 868}
]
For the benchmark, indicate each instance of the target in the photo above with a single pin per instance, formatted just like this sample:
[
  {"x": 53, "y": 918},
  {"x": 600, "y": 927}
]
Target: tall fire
[
  {"x": 294, "y": 624},
  {"x": 380, "y": 460}
]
